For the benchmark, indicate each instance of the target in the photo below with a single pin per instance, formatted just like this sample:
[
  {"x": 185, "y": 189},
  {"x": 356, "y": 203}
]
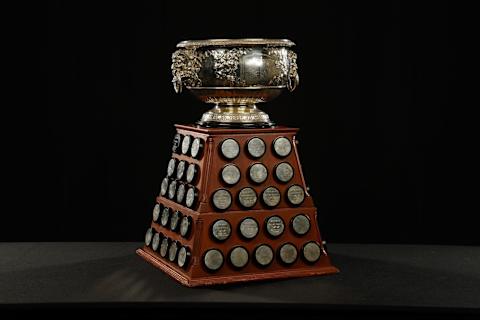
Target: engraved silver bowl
[{"x": 235, "y": 75}]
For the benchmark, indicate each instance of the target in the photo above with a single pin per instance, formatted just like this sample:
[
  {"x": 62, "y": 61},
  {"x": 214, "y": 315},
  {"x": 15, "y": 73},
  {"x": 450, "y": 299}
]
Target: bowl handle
[
  {"x": 186, "y": 64},
  {"x": 293, "y": 79}
]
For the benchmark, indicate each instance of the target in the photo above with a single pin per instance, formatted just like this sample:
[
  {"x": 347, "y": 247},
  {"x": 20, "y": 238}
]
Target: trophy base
[
  {"x": 239, "y": 242},
  {"x": 235, "y": 116}
]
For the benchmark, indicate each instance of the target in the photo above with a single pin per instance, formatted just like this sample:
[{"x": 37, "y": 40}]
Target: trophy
[{"x": 234, "y": 205}]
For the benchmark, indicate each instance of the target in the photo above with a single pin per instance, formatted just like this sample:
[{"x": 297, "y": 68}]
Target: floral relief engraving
[
  {"x": 226, "y": 63},
  {"x": 186, "y": 64}
]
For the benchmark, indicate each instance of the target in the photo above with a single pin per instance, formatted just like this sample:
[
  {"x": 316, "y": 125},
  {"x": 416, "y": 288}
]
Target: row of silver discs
[
  {"x": 175, "y": 221},
  {"x": 255, "y": 147},
  {"x": 179, "y": 191},
  {"x": 222, "y": 199},
  {"x": 248, "y": 228},
  {"x": 168, "y": 248},
  {"x": 187, "y": 145},
  {"x": 263, "y": 255},
  {"x": 257, "y": 173}
]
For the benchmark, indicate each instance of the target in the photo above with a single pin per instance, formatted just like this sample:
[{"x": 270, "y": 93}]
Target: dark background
[{"x": 376, "y": 106}]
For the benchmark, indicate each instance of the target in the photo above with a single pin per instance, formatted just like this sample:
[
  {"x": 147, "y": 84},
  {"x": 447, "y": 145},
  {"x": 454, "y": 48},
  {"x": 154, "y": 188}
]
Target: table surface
[{"x": 372, "y": 275}]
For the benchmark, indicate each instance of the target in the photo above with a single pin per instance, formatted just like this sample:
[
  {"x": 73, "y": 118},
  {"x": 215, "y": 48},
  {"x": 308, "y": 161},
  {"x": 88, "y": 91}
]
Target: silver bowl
[{"x": 235, "y": 75}]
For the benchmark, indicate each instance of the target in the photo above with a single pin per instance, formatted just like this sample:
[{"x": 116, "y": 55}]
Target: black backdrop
[{"x": 377, "y": 140}]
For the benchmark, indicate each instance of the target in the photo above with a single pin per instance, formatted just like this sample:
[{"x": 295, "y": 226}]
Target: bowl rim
[{"x": 235, "y": 43}]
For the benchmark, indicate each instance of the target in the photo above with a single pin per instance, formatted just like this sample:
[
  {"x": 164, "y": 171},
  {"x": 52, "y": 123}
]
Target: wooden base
[
  {"x": 203, "y": 214},
  {"x": 212, "y": 280}
]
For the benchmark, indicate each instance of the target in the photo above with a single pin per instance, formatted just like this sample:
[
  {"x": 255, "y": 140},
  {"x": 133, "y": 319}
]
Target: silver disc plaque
[
  {"x": 164, "y": 219},
  {"x": 230, "y": 174},
  {"x": 301, "y": 224},
  {"x": 172, "y": 251},
  {"x": 191, "y": 197},
  {"x": 288, "y": 253},
  {"x": 164, "y": 187},
  {"x": 221, "y": 230},
  {"x": 181, "y": 193},
  {"x": 213, "y": 259},
  {"x": 238, "y": 257},
  {"x": 312, "y": 252},
  {"x": 156, "y": 241},
  {"x": 185, "y": 226},
  {"x": 183, "y": 257},
  {"x": 282, "y": 146},
  {"x": 247, "y": 197},
  {"x": 164, "y": 247},
  {"x": 176, "y": 143},
  {"x": 295, "y": 194},
  {"x": 256, "y": 147},
  {"x": 284, "y": 172},
  {"x": 197, "y": 146},
  {"x": 248, "y": 228},
  {"x": 271, "y": 196},
  {"x": 222, "y": 199},
  {"x": 148, "y": 236},
  {"x": 258, "y": 173},
  {"x": 156, "y": 212},
  {"x": 172, "y": 189},
  {"x": 175, "y": 220},
  {"x": 180, "y": 169},
  {"x": 230, "y": 148},
  {"x": 191, "y": 172},
  {"x": 171, "y": 167},
  {"x": 186, "y": 144},
  {"x": 263, "y": 255},
  {"x": 275, "y": 226}
]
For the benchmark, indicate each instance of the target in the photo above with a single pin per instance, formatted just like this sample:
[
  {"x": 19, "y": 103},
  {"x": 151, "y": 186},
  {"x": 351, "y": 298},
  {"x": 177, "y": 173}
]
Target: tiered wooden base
[{"x": 203, "y": 212}]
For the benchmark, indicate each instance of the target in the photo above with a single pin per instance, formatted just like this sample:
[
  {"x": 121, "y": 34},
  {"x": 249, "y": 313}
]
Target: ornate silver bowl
[{"x": 235, "y": 75}]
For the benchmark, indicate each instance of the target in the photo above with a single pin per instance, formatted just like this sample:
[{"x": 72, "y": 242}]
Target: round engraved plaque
[
  {"x": 263, "y": 255},
  {"x": 221, "y": 230},
  {"x": 197, "y": 146},
  {"x": 256, "y": 147},
  {"x": 191, "y": 172},
  {"x": 180, "y": 193},
  {"x": 258, "y": 173},
  {"x": 176, "y": 143},
  {"x": 248, "y": 228},
  {"x": 213, "y": 259},
  {"x": 183, "y": 257},
  {"x": 156, "y": 212},
  {"x": 164, "y": 187},
  {"x": 230, "y": 148},
  {"x": 247, "y": 197},
  {"x": 230, "y": 174},
  {"x": 222, "y": 199},
  {"x": 171, "y": 167},
  {"x": 148, "y": 236},
  {"x": 164, "y": 247},
  {"x": 300, "y": 224},
  {"x": 311, "y": 252},
  {"x": 172, "y": 251},
  {"x": 239, "y": 257},
  {"x": 156, "y": 241},
  {"x": 284, "y": 172},
  {"x": 165, "y": 218},
  {"x": 288, "y": 253},
  {"x": 271, "y": 197},
  {"x": 185, "y": 226},
  {"x": 172, "y": 189},
  {"x": 175, "y": 220},
  {"x": 295, "y": 195},
  {"x": 186, "y": 144},
  {"x": 180, "y": 169},
  {"x": 191, "y": 197},
  {"x": 282, "y": 146},
  {"x": 275, "y": 226}
]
